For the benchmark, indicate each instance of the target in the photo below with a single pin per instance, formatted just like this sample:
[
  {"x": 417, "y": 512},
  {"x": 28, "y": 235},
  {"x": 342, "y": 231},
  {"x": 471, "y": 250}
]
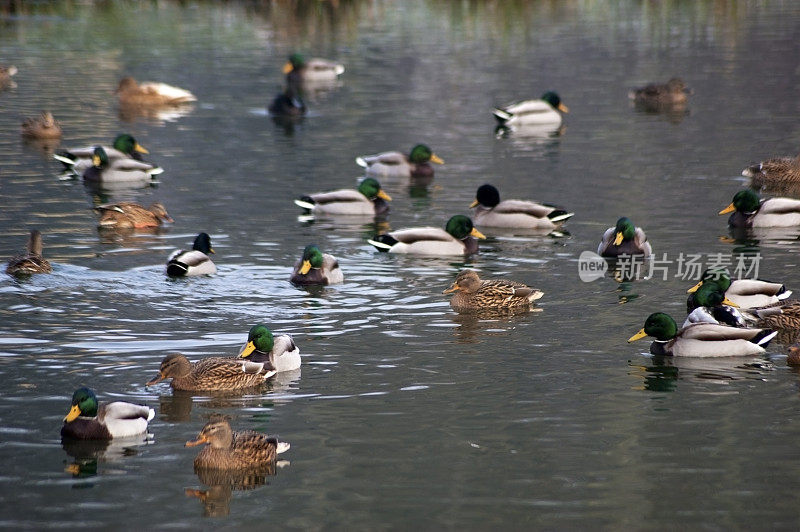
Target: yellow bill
[
  {"x": 96, "y": 160},
  {"x": 74, "y": 412},
  {"x": 618, "y": 238},
  {"x": 694, "y": 288},
  {"x": 474, "y": 203},
  {"x": 287, "y": 67},
  {"x": 729, "y": 208},
  {"x": 436, "y": 159},
  {"x": 199, "y": 441},
  {"x": 638, "y": 336},
  {"x": 476, "y": 233},
  {"x": 453, "y": 288},
  {"x": 247, "y": 350},
  {"x": 305, "y": 268},
  {"x": 730, "y": 303},
  {"x": 384, "y": 195},
  {"x": 563, "y": 108},
  {"x": 140, "y": 148}
]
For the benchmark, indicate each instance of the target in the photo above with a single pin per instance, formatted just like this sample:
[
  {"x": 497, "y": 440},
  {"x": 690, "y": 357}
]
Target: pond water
[{"x": 404, "y": 414}]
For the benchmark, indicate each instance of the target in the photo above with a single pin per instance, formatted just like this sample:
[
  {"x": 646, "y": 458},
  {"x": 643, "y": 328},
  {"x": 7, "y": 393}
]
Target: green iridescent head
[
  {"x": 658, "y": 325},
  {"x": 84, "y": 403},
  {"x": 99, "y": 157},
  {"x": 313, "y": 256},
  {"x": 371, "y": 189},
  {"x": 422, "y": 154},
  {"x": 555, "y": 101},
  {"x": 460, "y": 227},
  {"x": 128, "y": 145},
  {"x": 259, "y": 339}
]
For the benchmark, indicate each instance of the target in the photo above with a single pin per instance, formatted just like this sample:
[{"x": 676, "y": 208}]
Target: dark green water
[{"x": 405, "y": 414}]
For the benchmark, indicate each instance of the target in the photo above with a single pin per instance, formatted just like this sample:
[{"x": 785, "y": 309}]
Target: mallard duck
[
  {"x": 315, "y": 267},
  {"x": 457, "y": 238},
  {"x": 6, "y": 73},
  {"x": 126, "y": 214},
  {"x": 393, "y": 164},
  {"x": 130, "y": 92},
  {"x": 87, "y": 420},
  {"x": 709, "y": 305},
  {"x": 368, "y": 199},
  {"x": 279, "y": 351},
  {"x": 532, "y": 112},
  {"x": 751, "y": 211},
  {"x": 491, "y": 212},
  {"x": 44, "y": 126},
  {"x": 702, "y": 339},
  {"x": 783, "y": 315},
  {"x": 674, "y": 91},
  {"x": 195, "y": 261},
  {"x": 213, "y": 373},
  {"x": 32, "y": 261},
  {"x": 227, "y": 449},
  {"x": 118, "y": 171},
  {"x": 624, "y": 239},
  {"x": 78, "y": 160},
  {"x": 776, "y": 171},
  {"x": 746, "y": 293},
  {"x": 476, "y": 294},
  {"x": 287, "y": 103},
  {"x": 298, "y": 69}
]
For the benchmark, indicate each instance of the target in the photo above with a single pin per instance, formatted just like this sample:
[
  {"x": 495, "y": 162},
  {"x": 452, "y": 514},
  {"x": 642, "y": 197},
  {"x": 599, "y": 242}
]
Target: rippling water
[{"x": 404, "y": 414}]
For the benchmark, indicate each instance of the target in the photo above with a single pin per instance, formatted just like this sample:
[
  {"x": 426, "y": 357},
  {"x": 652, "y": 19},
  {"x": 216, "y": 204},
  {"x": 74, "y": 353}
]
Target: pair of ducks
[
  {"x": 120, "y": 163},
  {"x": 224, "y": 448},
  {"x": 714, "y": 330}
]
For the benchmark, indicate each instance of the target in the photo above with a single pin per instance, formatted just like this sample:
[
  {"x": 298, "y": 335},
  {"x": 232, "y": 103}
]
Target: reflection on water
[
  {"x": 221, "y": 484},
  {"x": 664, "y": 373},
  {"x": 88, "y": 454}
]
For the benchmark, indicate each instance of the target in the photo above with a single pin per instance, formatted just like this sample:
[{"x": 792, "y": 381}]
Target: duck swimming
[
  {"x": 751, "y": 211},
  {"x": 228, "y": 449},
  {"x": 280, "y": 351},
  {"x": 457, "y": 238},
  {"x": 544, "y": 111},
  {"x": 316, "y": 268},
  {"x": 475, "y": 294},
  {"x": 368, "y": 200},
  {"x": 394, "y": 164},
  {"x": 491, "y": 212},
  {"x": 624, "y": 239},
  {"x": 32, "y": 261},
  {"x": 87, "y": 420},
  {"x": 183, "y": 263}
]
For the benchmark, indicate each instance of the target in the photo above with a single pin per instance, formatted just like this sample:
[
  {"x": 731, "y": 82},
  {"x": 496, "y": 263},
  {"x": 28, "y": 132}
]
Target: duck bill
[
  {"x": 638, "y": 336},
  {"x": 95, "y": 160},
  {"x": 618, "y": 238},
  {"x": 74, "y": 412},
  {"x": 194, "y": 443},
  {"x": 436, "y": 159},
  {"x": 694, "y": 288},
  {"x": 305, "y": 268},
  {"x": 474, "y": 203},
  {"x": 140, "y": 148},
  {"x": 453, "y": 288},
  {"x": 476, "y": 233},
  {"x": 287, "y": 67},
  {"x": 384, "y": 196},
  {"x": 211, "y": 250},
  {"x": 159, "y": 378},
  {"x": 247, "y": 350},
  {"x": 729, "y": 208},
  {"x": 563, "y": 108},
  {"x": 730, "y": 303}
]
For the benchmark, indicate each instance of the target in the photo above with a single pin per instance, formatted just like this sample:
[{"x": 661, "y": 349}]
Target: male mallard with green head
[
  {"x": 475, "y": 294},
  {"x": 228, "y": 449},
  {"x": 118, "y": 171},
  {"x": 298, "y": 69},
  {"x": 77, "y": 160},
  {"x": 751, "y": 211},
  {"x": 32, "y": 261},
  {"x": 187, "y": 263},
  {"x": 87, "y": 420},
  {"x": 368, "y": 200},
  {"x": 491, "y": 212},
  {"x": 746, "y": 293},
  {"x": 394, "y": 164},
  {"x": 544, "y": 111},
  {"x": 624, "y": 239},
  {"x": 457, "y": 238},
  {"x": 280, "y": 351},
  {"x": 709, "y": 305},
  {"x": 702, "y": 339},
  {"x": 316, "y": 268},
  {"x": 212, "y": 373}
]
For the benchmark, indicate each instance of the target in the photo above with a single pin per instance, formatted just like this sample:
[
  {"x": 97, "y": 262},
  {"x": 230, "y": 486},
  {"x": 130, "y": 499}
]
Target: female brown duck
[{"x": 228, "y": 449}]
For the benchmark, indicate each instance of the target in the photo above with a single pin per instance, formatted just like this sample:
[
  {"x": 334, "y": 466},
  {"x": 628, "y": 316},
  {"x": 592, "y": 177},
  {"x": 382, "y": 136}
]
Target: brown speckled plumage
[
  {"x": 776, "y": 171},
  {"x": 228, "y": 449},
  {"x": 44, "y": 126},
  {"x": 127, "y": 215},
  {"x": 32, "y": 261},
  {"x": 474, "y": 294},
  {"x": 214, "y": 373}
]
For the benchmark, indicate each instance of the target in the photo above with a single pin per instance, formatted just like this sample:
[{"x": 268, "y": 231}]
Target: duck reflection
[
  {"x": 749, "y": 239},
  {"x": 46, "y": 147},
  {"x": 472, "y": 326},
  {"x": 537, "y": 133},
  {"x": 664, "y": 372},
  {"x": 673, "y": 112},
  {"x": 154, "y": 114},
  {"x": 87, "y": 454},
  {"x": 222, "y": 483}
]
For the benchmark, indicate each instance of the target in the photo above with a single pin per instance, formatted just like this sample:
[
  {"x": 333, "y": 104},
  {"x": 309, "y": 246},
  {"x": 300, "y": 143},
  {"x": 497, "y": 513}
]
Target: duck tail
[
  {"x": 67, "y": 159},
  {"x": 383, "y": 242},
  {"x": 150, "y": 414},
  {"x": 559, "y": 215},
  {"x": 281, "y": 446},
  {"x": 176, "y": 268},
  {"x": 360, "y": 161},
  {"x": 501, "y": 115},
  {"x": 155, "y": 171},
  {"x": 305, "y": 202},
  {"x": 764, "y": 337}
]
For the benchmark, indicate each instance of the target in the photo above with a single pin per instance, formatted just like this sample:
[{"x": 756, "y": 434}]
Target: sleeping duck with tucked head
[
  {"x": 88, "y": 420},
  {"x": 457, "y": 238}
]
